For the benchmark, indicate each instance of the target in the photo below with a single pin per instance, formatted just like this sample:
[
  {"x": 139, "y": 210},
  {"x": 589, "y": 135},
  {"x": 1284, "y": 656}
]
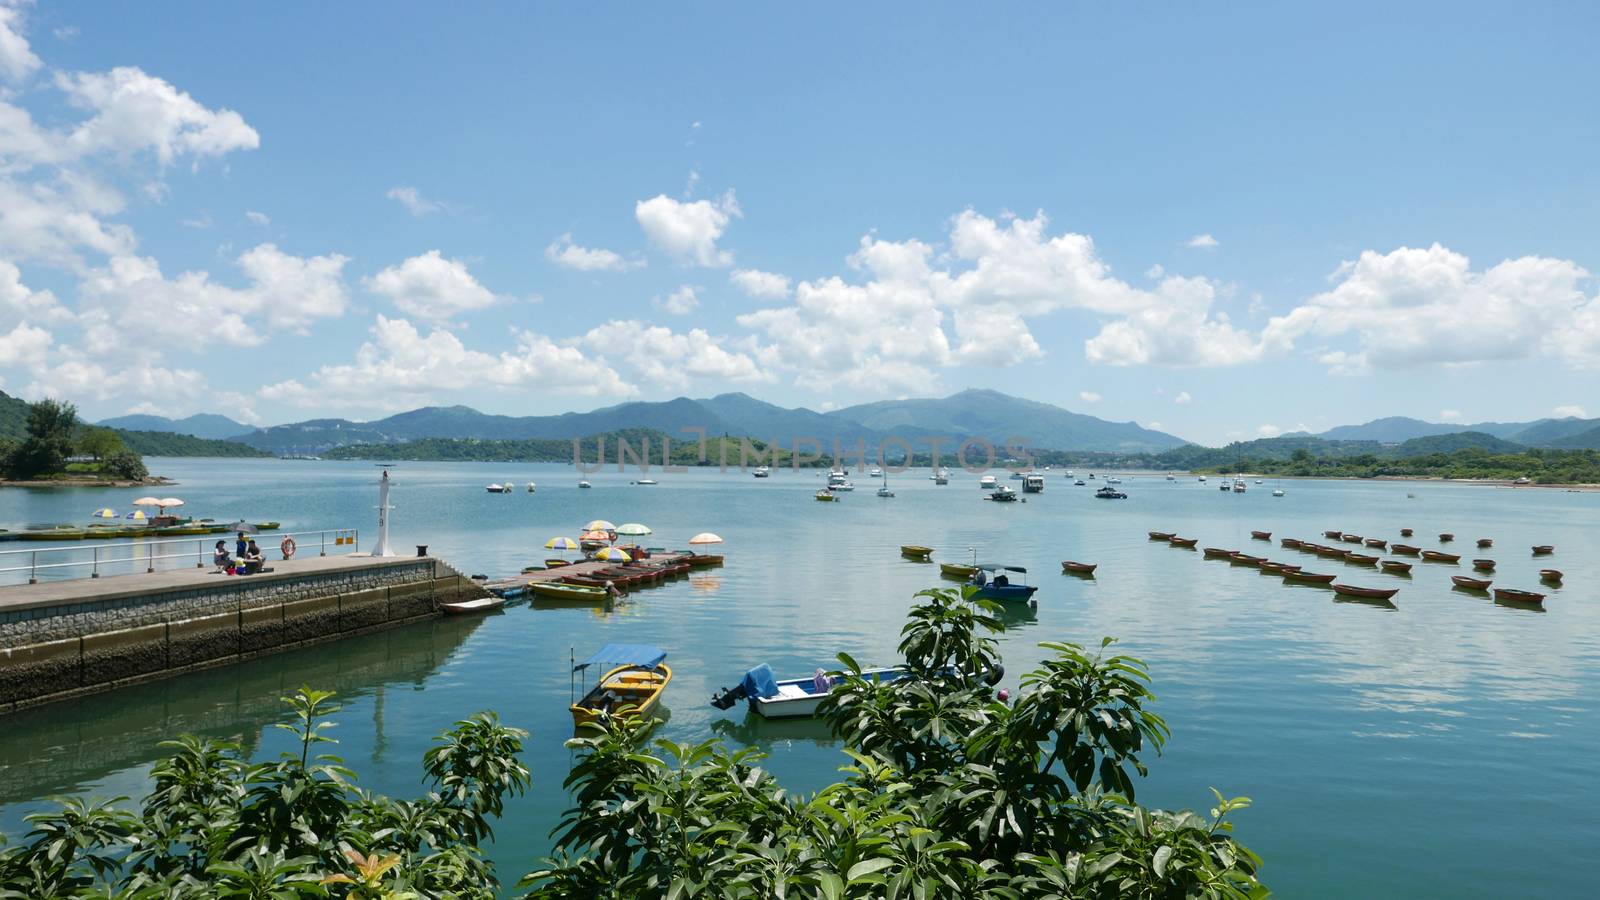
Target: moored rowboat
[
  {"x": 467, "y": 607},
  {"x": 1277, "y": 568},
  {"x": 1404, "y": 549},
  {"x": 1377, "y": 543},
  {"x": 1290, "y": 543},
  {"x": 1436, "y": 556},
  {"x": 1351, "y": 538},
  {"x": 1405, "y": 532},
  {"x": 576, "y": 593},
  {"x": 1309, "y": 577},
  {"x": 1078, "y": 568},
  {"x": 1552, "y": 575},
  {"x": 1543, "y": 550},
  {"x": 1261, "y": 535},
  {"x": 1350, "y": 590},
  {"x": 1245, "y": 559},
  {"x": 1333, "y": 534},
  {"x": 1446, "y": 537},
  {"x": 1483, "y": 565},
  {"x": 915, "y": 551},
  {"x": 957, "y": 570},
  {"x": 1361, "y": 559},
  {"x": 1161, "y": 535},
  {"x": 1485, "y": 542},
  {"x": 1471, "y": 584},
  {"x": 1517, "y": 596},
  {"x": 1218, "y": 553},
  {"x": 1184, "y": 542},
  {"x": 1394, "y": 565}
]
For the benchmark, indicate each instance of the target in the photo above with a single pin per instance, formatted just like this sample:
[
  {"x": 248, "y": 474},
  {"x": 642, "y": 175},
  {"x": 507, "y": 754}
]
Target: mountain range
[
  {"x": 203, "y": 425},
  {"x": 1570, "y": 432}
]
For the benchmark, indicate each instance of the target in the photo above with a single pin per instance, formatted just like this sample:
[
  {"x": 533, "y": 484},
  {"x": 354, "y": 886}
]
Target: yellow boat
[
  {"x": 631, "y": 687},
  {"x": 558, "y": 590},
  {"x": 826, "y": 496},
  {"x": 915, "y": 551},
  {"x": 956, "y": 570}
]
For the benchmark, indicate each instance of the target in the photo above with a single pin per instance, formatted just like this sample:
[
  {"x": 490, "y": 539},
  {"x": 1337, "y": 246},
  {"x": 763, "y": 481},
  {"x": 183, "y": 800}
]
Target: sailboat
[{"x": 883, "y": 489}]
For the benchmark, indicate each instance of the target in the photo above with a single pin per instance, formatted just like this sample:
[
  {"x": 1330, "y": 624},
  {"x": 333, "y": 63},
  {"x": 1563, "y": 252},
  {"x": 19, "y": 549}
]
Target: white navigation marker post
[{"x": 382, "y": 547}]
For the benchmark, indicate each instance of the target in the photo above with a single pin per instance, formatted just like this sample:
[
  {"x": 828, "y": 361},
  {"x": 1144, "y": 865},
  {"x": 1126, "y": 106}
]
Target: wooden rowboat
[
  {"x": 1361, "y": 559},
  {"x": 915, "y": 551},
  {"x": 555, "y": 563},
  {"x": 1330, "y": 552},
  {"x": 1446, "y": 537},
  {"x": 1261, "y": 535},
  {"x": 1077, "y": 568},
  {"x": 571, "y": 593},
  {"x": 1395, "y": 565},
  {"x": 1543, "y": 550},
  {"x": 1471, "y": 584},
  {"x": 1551, "y": 575},
  {"x": 1405, "y": 532},
  {"x": 703, "y": 560},
  {"x": 1516, "y": 596},
  {"x": 1290, "y": 543},
  {"x": 1483, "y": 565},
  {"x": 1277, "y": 568},
  {"x": 1218, "y": 553},
  {"x": 1184, "y": 542},
  {"x": 1377, "y": 543},
  {"x": 631, "y": 690},
  {"x": 1485, "y": 542},
  {"x": 1350, "y": 590},
  {"x": 1161, "y": 535},
  {"x": 467, "y": 607},
  {"x": 1308, "y": 577},
  {"x": 1333, "y": 534},
  {"x": 1245, "y": 559},
  {"x": 1436, "y": 556},
  {"x": 1351, "y": 538},
  {"x": 1404, "y": 549},
  {"x": 957, "y": 570}
]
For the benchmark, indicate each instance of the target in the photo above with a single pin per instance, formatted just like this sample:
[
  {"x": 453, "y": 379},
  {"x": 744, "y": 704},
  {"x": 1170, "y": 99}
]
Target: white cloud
[
  {"x": 1569, "y": 410},
  {"x": 200, "y": 222},
  {"x": 662, "y": 357},
  {"x": 1089, "y": 397},
  {"x": 1154, "y": 426},
  {"x": 25, "y": 346},
  {"x": 260, "y": 218},
  {"x": 1449, "y": 415},
  {"x": 1155, "y": 272},
  {"x": 688, "y": 230},
  {"x": 431, "y": 286},
  {"x": 1182, "y": 398},
  {"x": 563, "y": 252},
  {"x": 20, "y": 304},
  {"x": 1269, "y": 431},
  {"x": 133, "y": 111},
  {"x": 129, "y": 300},
  {"x": 759, "y": 284},
  {"x": 17, "y": 60},
  {"x": 680, "y": 302},
  {"x": 1414, "y": 307},
  {"x": 413, "y": 201},
  {"x": 401, "y": 367},
  {"x": 1202, "y": 242}
]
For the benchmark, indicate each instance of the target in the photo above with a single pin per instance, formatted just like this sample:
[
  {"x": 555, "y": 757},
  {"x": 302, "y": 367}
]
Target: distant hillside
[
  {"x": 1583, "y": 440},
  {"x": 203, "y": 425},
  {"x": 1553, "y": 432},
  {"x": 999, "y": 417},
  {"x": 1390, "y": 430},
  {"x": 1450, "y": 443},
  {"x": 165, "y": 443}
]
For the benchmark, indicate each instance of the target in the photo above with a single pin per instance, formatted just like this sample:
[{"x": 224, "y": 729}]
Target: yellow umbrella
[
  {"x": 613, "y": 554},
  {"x": 599, "y": 525},
  {"x": 137, "y": 515},
  {"x": 561, "y": 543},
  {"x": 105, "y": 513},
  {"x": 705, "y": 537}
]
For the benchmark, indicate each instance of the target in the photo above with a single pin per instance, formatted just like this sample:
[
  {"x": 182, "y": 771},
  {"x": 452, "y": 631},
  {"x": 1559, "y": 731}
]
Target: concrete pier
[{"x": 67, "y": 638}]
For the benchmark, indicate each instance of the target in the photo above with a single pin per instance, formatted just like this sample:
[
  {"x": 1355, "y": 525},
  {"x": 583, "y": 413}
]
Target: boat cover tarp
[
  {"x": 613, "y": 655},
  {"x": 760, "y": 683}
]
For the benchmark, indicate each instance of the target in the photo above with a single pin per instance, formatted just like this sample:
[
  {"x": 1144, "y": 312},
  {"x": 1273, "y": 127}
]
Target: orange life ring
[{"x": 287, "y": 547}]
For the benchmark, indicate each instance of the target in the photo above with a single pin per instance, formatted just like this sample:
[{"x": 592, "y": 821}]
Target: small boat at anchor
[
  {"x": 1218, "y": 553},
  {"x": 1187, "y": 543},
  {"x": 632, "y": 687},
  {"x": 1377, "y": 543},
  {"x": 1395, "y": 567},
  {"x": 825, "y": 496},
  {"x": 1404, "y": 549},
  {"x": 1543, "y": 550},
  {"x": 1485, "y": 542},
  {"x": 1365, "y": 593},
  {"x": 1468, "y": 583},
  {"x": 1078, "y": 568},
  {"x": 1551, "y": 575},
  {"x": 915, "y": 551},
  {"x": 499, "y": 488},
  {"x": 1361, "y": 559},
  {"x": 1290, "y": 543},
  {"x": 1245, "y": 559},
  {"x": 1405, "y": 532},
  {"x": 1261, "y": 535},
  {"x": 1351, "y": 538},
  {"x": 1513, "y": 595},
  {"x": 469, "y": 607},
  {"x": 1003, "y": 494},
  {"x": 957, "y": 570},
  {"x": 1306, "y": 577},
  {"x": 1277, "y": 568},
  {"x": 1446, "y": 537},
  {"x": 570, "y": 593},
  {"x": 1333, "y": 534},
  {"x": 1436, "y": 556},
  {"x": 1110, "y": 493},
  {"x": 1483, "y": 565},
  {"x": 999, "y": 586},
  {"x": 1162, "y": 535}
]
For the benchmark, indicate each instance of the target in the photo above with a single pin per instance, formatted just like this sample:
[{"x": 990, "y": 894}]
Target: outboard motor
[
  {"x": 991, "y": 677},
  {"x": 727, "y": 697}
]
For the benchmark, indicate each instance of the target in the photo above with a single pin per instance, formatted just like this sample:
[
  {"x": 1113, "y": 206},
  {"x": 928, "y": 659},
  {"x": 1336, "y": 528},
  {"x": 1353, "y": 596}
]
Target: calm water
[{"x": 1444, "y": 748}]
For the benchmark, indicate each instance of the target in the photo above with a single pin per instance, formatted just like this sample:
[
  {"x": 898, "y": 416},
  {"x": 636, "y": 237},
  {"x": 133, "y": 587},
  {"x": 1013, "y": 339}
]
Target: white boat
[
  {"x": 1258, "y": 481},
  {"x": 1238, "y": 485},
  {"x": 645, "y": 481},
  {"x": 841, "y": 486},
  {"x": 1033, "y": 483},
  {"x": 1016, "y": 476},
  {"x": 986, "y": 483},
  {"x": 885, "y": 492},
  {"x": 1277, "y": 492},
  {"x": 468, "y": 607},
  {"x": 941, "y": 477},
  {"x": 1202, "y": 479},
  {"x": 532, "y": 487},
  {"x": 585, "y": 484},
  {"x": 1172, "y": 478},
  {"x": 1069, "y": 474},
  {"x": 499, "y": 488},
  {"x": 1004, "y": 494},
  {"x": 762, "y": 472},
  {"x": 875, "y": 473},
  {"x": 1113, "y": 480},
  {"x": 791, "y": 698}
]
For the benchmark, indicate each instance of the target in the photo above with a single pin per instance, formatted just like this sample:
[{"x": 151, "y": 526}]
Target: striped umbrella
[
  {"x": 599, "y": 525},
  {"x": 561, "y": 543},
  {"x": 105, "y": 513},
  {"x": 613, "y": 554},
  {"x": 137, "y": 515}
]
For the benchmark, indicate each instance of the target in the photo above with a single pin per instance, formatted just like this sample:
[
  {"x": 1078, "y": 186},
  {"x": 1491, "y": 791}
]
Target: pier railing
[{"x": 134, "y": 554}]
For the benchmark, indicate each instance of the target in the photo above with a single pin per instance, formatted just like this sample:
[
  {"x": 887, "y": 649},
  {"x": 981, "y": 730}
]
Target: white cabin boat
[
  {"x": 645, "y": 481},
  {"x": 1003, "y": 493},
  {"x": 986, "y": 483},
  {"x": 762, "y": 472},
  {"x": 941, "y": 477},
  {"x": 1033, "y": 483},
  {"x": 499, "y": 488},
  {"x": 585, "y": 484},
  {"x": 1238, "y": 485},
  {"x": 875, "y": 473},
  {"x": 840, "y": 486}
]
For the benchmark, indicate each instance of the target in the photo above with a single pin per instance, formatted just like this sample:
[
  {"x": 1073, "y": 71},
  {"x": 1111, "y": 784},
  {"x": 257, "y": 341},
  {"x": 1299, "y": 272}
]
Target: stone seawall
[{"x": 64, "y": 640}]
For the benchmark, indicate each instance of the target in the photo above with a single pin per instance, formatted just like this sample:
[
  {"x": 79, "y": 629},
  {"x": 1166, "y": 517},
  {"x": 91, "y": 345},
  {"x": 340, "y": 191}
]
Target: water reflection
[{"x": 755, "y": 730}]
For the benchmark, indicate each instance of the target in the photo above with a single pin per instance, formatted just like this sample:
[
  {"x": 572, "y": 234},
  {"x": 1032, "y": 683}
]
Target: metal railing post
[
  {"x": 33, "y": 568},
  {"x": 149, "y": 558},
  {"x": 95, "y": 573},
  {"x": 324, "y": 538},
  {"x": 200, "y": 553}
]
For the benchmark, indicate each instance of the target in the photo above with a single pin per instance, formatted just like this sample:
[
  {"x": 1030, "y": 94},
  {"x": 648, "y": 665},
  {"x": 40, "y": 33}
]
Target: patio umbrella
[
  {"x": 106, "y": 513},
  {"x": 633, "y": 529},
  {"x": 245, "y": 527},
  {"x": 599, "y": 525},
  {"x": 147, "y": 501},
  {"x": 137, "y": 515},
  {"x": 595, "y": 536},
  {"x": 561, "y": 543},
  {"x": 613, "y": 554},
  {"x": 167, "y": 503},
  {"x": 705, "y": 537}
]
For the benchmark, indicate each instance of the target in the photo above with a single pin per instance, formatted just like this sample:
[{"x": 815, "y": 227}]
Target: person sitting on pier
[
  {"x": 221, "y": 557},
  {"x": 241, "y": 547},
  {"x": 252, "y": 556}
]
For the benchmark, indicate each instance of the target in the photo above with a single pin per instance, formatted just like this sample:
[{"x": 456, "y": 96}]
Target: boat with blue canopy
[
  {"x": 994, "y": 582},
  {"x": 635, "y": 676},
  {"x": 792, "y": 697}
]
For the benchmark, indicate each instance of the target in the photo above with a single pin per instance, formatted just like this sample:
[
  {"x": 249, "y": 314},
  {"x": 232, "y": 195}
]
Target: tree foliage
[
  {"x": 216, "y": 825},
  {"x": 949, "y": 792},
  {"x": 51, "y": 434}
]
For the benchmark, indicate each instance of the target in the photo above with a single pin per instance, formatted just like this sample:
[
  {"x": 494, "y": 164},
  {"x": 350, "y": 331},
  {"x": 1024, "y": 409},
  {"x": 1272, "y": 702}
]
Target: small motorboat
[
  {"x": 1351, "y": 538},
  {"x": 842, "y": 486},
  {"x": 1485, "y": 542},
  {"x": 1202, "y": 479},
  {"x": 1078, "y": 483},
  {"x": 1307, "y": 577},
  {"x": 1110, "y": 493},
  {"x": 1405, "y": 532},
  {"x": 915, "y": 551},
  {"x": 1483, "y": 565},
  {"x": 1446, "y": 537},
  {"x": 1404, "y": 549},
  {"x": 999, "y": 586},
  {"x": 499, "y": 488},
  {"x": 1187, "y": 543},
  {"x": 1395, "y": 566},
  {"x": 532, "y": 487},
  {"x": 1361, "y": 559},
  {"x": 1277, "y": 492},
  {"x": 1436, "y": 556},
  {"x": 1377, "y": 543},
  {"x": 1161, "y": 535},
  {"x": 468, "y": 607},
  {"x": 1365, "y": 593},
  {"x": 1551, "y": 575},
  {"x": 941, "y": 477},
  {"x": 646, "y": 481},
  {"x": 1290, "y": 543},
  {"x": 885, "y": 492},
  {"x": 791, "y": 698},
  {"x": 1003, "y": 494},
  {"x": 957, "y": 570},
  {"x": 1261, "y": 535},
  {"x": 825, "y": 496},
  {"x": 570, "y": 593},
  {"x": 585, "y": 484},
  {"x": 875, "y": 473},
  {"x": 554, "y": 563},
  {"x": 1543, "y": 550},
  {"x": 1078, "y": 568},
  {"x": 986, "y": 483},
  {"x": 631, "y": 687},
  {"x": 762, "y": 472},
  {"x": 1468, "y": 583},
  {"x": 1218, "y": 553},
  {"x": 1514, "y": 595}
]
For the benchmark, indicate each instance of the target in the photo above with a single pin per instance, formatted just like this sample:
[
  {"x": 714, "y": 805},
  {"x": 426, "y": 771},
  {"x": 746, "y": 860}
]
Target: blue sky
[{"x": 1223, "y": 220}]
